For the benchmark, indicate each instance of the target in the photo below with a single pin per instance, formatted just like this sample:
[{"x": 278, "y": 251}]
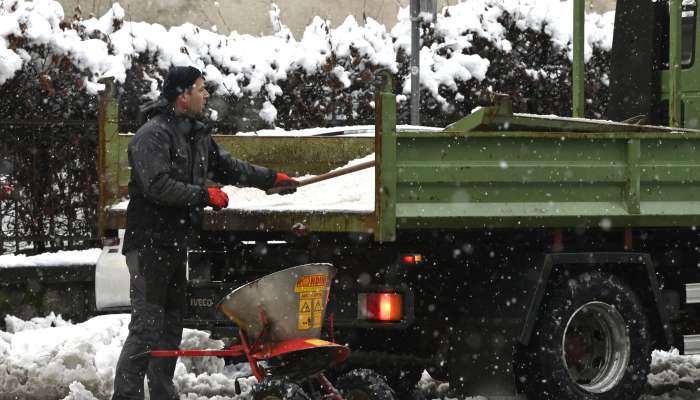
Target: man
[{"x": 171, "y": 157}]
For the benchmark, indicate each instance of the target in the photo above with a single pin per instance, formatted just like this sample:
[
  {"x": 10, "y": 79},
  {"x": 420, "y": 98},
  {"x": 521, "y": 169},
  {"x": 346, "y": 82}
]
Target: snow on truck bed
[{"x": 353, "y": 192}]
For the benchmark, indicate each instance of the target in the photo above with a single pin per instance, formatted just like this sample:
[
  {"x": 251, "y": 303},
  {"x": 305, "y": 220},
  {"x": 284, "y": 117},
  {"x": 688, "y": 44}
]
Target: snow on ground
[
  {"x": 60, "y": 258},
  {"x": 49, "y": 358}
]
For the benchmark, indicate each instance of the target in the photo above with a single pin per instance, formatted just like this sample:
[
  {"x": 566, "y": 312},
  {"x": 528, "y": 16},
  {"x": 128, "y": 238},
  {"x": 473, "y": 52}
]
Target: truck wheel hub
[{"x": 596, "y": 347}]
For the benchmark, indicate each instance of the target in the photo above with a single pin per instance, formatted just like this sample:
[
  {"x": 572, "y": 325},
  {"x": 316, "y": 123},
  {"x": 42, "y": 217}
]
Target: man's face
[{"x": 195, "y": 99}]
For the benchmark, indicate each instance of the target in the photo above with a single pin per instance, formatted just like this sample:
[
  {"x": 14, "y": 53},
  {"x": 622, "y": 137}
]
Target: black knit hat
[{"x": 178, "y": 80}]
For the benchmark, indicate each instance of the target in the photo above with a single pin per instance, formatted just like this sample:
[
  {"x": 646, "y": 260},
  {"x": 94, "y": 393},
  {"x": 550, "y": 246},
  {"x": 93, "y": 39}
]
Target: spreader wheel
[
  {"x": 275, "y": 389},
  {"x": 364, "y": 384}
]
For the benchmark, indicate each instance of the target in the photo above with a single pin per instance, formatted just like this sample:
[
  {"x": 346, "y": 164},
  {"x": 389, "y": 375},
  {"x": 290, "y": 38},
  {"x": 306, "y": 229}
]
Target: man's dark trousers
[{"x": 158, "y": 289}]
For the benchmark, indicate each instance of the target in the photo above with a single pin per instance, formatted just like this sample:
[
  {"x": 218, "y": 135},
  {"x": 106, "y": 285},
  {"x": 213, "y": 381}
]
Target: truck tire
[
  {"x": 364, "y": 384},
  {"x": 591, "y": 342},
  {"x": 275, "y": 389}
]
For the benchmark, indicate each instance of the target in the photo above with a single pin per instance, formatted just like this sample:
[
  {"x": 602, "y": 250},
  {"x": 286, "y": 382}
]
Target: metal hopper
[{"x": 285, "y": 305}]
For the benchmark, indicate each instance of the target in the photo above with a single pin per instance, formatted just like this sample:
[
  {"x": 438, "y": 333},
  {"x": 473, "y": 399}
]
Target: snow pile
[
  {"x": 14, "y": 324},
  {"x": 669, "y": 369},
  {"x": 351, "y": 192},
  {"x": 432, "y": 388},
  {"x": 77, "y": 361},
  {"x": 60, "y": 258}
]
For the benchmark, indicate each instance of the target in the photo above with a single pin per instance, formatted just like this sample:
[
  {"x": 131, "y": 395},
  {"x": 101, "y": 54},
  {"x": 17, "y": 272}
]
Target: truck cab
[{"x": 652, "y": 36}]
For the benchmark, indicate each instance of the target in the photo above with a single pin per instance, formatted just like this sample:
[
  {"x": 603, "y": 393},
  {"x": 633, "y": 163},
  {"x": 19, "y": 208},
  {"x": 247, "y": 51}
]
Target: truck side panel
[{"x": 545, "y": 179}]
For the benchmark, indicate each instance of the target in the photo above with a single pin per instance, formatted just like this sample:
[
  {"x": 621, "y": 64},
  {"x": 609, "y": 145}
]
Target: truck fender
[{"x": 645, "y": 279}]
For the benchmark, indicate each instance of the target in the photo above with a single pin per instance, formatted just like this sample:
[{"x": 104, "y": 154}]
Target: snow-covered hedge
[{"x": 475, "y": 48}]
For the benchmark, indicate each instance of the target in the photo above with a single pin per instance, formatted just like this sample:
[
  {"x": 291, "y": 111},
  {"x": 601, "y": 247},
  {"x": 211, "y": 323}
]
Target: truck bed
[
  {"x": 492, "y": 169},
  {"x": 497, "y": 169}
]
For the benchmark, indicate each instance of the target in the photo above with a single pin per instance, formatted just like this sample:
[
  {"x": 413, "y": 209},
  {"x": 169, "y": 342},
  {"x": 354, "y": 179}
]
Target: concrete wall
[{"x": 251, "y": 16}]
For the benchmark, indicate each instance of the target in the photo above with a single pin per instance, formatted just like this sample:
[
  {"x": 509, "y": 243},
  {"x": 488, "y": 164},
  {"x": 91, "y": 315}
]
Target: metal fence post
[{"x": 415, "y": 62}]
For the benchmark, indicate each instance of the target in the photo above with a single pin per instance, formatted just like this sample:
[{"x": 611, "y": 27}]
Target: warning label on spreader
[
  {"x": 311, "y": 289},
  {"x": 311, "y": 283}
]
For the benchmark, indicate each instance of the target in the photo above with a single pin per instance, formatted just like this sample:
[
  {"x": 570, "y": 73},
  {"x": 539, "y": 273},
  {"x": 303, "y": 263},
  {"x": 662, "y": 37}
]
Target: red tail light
[
  {"x": 412, "y": 259},
  {"x": 380, "y": 306}
]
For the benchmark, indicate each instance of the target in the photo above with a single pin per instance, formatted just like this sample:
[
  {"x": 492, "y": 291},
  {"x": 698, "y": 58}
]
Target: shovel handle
[{"x": 323, "y": 177}]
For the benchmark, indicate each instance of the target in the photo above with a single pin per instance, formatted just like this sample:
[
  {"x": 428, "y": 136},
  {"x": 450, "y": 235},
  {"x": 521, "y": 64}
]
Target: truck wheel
[
  {"x": 274, "y": 389},
  {"x": 364, "y": 384},
  {"x": 591, "y": 342}
]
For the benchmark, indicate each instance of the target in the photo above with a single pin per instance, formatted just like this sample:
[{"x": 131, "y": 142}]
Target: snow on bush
[{"x": 475, "y": 48}]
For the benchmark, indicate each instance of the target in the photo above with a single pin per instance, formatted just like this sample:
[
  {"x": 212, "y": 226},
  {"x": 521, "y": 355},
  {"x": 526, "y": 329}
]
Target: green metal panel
[
  {"x": 590, "y": 173},
  {"x": 691, "y": 111},
  {"x": 286, "y": 221},
  {"x": 633, "y": 178},
  {"x": 108, "y": 153},
  {"x": 297, "y": 155},
  {"x": 675, "y": 37},
  {"x": 274, "y": 221},
  {"x": 386, "y": 173}
]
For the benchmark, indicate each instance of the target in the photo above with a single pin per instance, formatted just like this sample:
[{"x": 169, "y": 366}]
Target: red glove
[
  {"x": 218, "y": 199},
  {"x": 284, "y": 181}
]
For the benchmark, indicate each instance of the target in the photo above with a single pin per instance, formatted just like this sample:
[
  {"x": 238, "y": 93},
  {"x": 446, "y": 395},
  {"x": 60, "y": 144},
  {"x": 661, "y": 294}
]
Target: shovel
[{"x": 323, "y": 177}]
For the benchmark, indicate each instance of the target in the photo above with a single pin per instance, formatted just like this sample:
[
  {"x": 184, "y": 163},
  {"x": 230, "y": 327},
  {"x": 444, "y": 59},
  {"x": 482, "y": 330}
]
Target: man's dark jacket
[{"x": 171, "y": 157}]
